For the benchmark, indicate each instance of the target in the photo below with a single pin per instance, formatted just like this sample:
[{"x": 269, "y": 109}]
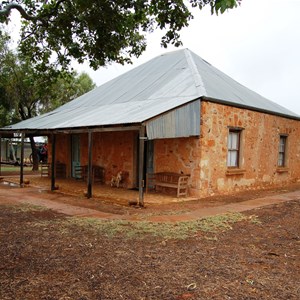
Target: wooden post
[
  {"x": 90, "y": 152},
  {"x": 53, "y": 162},
  {"x": 141, "y": 165},
  {"x": 22, "y": 160}
]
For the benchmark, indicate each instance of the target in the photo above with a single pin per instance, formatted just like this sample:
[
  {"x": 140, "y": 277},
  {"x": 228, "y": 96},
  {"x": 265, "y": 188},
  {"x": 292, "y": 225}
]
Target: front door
[{"x": 75, "y": 152}]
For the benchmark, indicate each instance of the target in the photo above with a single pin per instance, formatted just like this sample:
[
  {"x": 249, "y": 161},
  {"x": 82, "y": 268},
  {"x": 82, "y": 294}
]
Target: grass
[
  {"x": 140, "y": 229},
  {"x": 24, "y": 207},
  {"x": 9, "y": 168},
  {"x": 178, "y": 230}
]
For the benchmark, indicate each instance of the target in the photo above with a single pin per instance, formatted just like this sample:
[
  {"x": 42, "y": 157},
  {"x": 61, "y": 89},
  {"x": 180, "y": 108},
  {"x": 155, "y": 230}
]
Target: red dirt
[
  {"x": 115, "y": 201},
  {"x": 43, "y": 258}
]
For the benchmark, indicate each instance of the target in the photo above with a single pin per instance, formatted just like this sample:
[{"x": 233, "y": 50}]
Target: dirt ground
[
  {"x": 115, "y": 201},
  {"x": 47, "y": 255}
]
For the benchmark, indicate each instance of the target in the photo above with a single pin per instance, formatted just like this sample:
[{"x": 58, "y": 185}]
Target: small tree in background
[{"x": 27, "y": 91}]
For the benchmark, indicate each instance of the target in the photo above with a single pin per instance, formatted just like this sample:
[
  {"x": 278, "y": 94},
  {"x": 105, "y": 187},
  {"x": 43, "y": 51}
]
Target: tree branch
[{"x": 6, "y": 11}]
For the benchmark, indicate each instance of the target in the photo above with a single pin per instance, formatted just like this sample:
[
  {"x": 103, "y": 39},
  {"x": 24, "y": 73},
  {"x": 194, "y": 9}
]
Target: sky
[{"x": 257, "y": 44}]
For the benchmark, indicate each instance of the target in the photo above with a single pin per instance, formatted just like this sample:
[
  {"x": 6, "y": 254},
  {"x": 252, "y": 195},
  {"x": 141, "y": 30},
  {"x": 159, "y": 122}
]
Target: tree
[
  {"x": 100, "y": 31},
  {"x": 68, "y": 88},
  {"x": 27, "y": 92},
  {"x": 4, "y": 104}
]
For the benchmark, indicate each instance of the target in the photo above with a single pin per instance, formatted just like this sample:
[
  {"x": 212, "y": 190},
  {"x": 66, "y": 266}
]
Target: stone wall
[
  {"x": 181, "y": 155},
  {"x": 115, "y": 151},
  {"x": 205, "y": 158},
  {"x": 259, "y": 149}
]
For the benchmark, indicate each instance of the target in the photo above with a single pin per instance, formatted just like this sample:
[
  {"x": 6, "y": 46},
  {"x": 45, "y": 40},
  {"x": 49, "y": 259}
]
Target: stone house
[{"x": 175, "y": 113}]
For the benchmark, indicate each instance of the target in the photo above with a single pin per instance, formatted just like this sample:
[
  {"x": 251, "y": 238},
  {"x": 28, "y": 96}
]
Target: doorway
[{"x": 149, "y": 158}]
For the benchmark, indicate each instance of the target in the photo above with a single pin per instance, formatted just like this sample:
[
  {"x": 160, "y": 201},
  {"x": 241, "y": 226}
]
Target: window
[
  {"x": 282, "y": 151},
  {"x": 233, "y": 156}
]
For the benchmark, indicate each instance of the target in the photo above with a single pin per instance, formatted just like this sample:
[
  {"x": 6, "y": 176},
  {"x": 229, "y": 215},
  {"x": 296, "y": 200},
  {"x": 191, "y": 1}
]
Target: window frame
[
  {"x": 236, "y": 150},
  {"x": 282, "y": 151}
]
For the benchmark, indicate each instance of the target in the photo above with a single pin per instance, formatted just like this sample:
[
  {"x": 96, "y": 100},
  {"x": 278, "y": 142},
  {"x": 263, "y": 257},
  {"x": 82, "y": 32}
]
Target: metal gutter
[{"x": 70, "y": 130}]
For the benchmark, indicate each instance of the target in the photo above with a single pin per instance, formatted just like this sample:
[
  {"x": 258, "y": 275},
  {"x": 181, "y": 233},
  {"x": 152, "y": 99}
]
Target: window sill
[
  {"x": 282, "y": 169},
  {"x": 235, "y": 171}
]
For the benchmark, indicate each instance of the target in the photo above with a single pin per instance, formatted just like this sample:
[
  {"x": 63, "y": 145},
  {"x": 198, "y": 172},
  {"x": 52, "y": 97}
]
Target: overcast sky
[{"x": 257, "y": 44}]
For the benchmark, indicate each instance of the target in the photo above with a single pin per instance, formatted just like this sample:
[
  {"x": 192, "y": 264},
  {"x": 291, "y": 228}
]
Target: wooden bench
[
  {"x": 98, "y": 173},
  {"x": 168, "y": 180},
  {"x": 45, "y": 170},
  {"x": 59, "y": 167}
]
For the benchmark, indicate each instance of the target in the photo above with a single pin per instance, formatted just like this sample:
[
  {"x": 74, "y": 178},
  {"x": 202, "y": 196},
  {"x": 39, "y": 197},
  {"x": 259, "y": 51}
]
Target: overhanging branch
[
  {"x": 13, "y": 5},
  {"x": 6, "y": 11}
]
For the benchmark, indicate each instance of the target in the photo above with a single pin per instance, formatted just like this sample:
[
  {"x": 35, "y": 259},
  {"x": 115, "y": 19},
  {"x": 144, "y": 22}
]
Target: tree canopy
[
  {"x": 26, "y": 92},
  {"x": 100, "y": 31}
]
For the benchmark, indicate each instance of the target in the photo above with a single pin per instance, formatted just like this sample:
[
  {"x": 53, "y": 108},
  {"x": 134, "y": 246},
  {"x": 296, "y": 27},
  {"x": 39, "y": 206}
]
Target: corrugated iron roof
[{"x": 161, "y": 84}]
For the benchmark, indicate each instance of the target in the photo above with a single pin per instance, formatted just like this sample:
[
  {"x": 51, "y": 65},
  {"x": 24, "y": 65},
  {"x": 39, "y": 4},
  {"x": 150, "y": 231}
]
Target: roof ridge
[{"x": 196, "y": 75}]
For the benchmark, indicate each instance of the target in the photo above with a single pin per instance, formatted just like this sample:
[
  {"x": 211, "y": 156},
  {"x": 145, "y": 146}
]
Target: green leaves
[
  {"x": 223, "y": 5},
  {"x": 216, "y": 5},
  {"x": 27, "y": 90},
  {"x": 101, "y": 31}
]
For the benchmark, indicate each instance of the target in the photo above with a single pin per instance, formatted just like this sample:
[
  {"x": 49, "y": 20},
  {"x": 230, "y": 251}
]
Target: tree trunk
[{"x": 35, "y": 160}]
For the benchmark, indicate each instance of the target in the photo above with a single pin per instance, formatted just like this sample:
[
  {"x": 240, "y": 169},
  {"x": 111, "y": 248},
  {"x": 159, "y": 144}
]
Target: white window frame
[
  {"x": 282, "y": 151},
  {"x": 234, "y": 148}
]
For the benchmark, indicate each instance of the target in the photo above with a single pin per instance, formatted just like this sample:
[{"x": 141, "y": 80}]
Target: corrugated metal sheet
[
  {"x": 162, "y": 84},
  {"x": 180, "y": 122},
  {"x": 117, "y": 114}
]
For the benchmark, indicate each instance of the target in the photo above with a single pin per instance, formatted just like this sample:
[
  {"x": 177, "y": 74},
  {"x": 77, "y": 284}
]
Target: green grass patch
[
  {"x": 178, "y": 230},
  {"x": 140, "y": 229},
  {"x": 25, "y": 207},
  {"x": 10, "y": 168}
]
